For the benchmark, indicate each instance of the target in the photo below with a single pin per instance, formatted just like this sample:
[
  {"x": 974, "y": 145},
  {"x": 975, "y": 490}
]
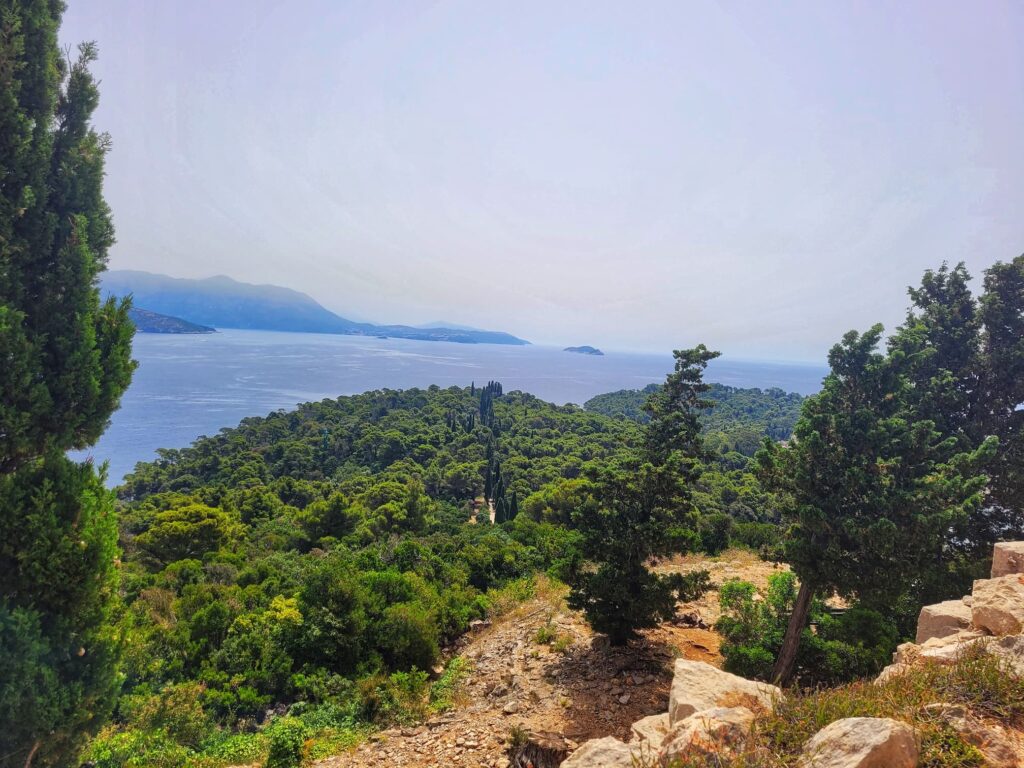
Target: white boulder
[
  {"x": 945, "y": 650},
  {"x": 862, "y": 742},
  {"x": 651, "y": 729},
  {"x": 942, "y": 619},
  {"x": 608, "y": 752},
  {"x": 697, "y": 686},
  {"x": 706, "y": 733},
  {"x": 1007, "y": 558},
  {"x": 998, "y": 605}
]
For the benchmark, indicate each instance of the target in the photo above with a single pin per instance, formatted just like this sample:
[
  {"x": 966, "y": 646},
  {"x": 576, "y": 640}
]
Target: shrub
[
  {"x": 715, "y": 532},
  {"x": 855, "y": 644},
  {"x": 444, "y": 690},
  {"x": 287, "y": 737},
  {"x": 760, "y": 537}
]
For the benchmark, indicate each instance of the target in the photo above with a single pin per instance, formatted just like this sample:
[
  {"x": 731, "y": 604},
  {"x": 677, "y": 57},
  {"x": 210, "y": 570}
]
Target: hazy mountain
[
  {"x": 445, "y": 324},
  {"x": 153, "y": 322},
  {"x": 226, "y": 303}
]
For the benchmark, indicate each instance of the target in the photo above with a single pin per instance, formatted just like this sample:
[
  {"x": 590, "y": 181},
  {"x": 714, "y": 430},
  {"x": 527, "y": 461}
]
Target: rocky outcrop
[
  {"x": 608, "y": 752},
  {"x": 990, "y": 618},
  {"x": 862, "y": 742},
  {"x": 1007, "y": 558},
  {"x": 712, "y": 712},
  {"x": 697, "y": 686},
  {"x": 994, "y": 742},
  {"x": 998, "y": 605},
  {"x": 706, "y": 733},
  {"x": 942, "y": 619},
  {"x": 651, "y": 729}
]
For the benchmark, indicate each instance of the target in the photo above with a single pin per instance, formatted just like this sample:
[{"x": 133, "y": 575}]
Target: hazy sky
[{"x": 757, "y": 176}]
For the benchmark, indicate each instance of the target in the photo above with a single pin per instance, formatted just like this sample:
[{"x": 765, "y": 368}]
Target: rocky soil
[{"x": 587, "y": 690}]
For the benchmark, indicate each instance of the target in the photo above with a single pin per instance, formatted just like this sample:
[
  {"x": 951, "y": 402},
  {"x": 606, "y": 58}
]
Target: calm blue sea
[{"x": 187, "y": 386}]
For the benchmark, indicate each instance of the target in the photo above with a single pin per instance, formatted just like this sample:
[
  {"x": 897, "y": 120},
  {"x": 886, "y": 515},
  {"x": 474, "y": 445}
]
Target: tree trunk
[
  {"x": 783, "y": 671},
  {"x": 32, "y": 754}
]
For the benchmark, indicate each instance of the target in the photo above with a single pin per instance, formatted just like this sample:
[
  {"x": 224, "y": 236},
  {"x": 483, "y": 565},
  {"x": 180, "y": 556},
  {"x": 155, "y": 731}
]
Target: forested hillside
[
  {"x": 314, "y": 555},
  {"x": 741, "y": 417}
]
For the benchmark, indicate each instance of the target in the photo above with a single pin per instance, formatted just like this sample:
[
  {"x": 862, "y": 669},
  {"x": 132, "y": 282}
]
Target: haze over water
[{"x": 187, "y": 386}]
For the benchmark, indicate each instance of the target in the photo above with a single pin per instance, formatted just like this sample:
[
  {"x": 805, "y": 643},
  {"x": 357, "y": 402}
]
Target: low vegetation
[{"x": 978, "y": 682}]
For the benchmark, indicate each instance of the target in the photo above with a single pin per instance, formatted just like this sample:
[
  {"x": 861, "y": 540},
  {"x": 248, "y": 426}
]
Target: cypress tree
[
  {"x": 643, "y": 511},
  {"x": 66, "y": 361}
]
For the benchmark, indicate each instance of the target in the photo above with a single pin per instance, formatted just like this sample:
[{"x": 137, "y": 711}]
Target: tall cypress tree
[{"x": 66, "y": 360}]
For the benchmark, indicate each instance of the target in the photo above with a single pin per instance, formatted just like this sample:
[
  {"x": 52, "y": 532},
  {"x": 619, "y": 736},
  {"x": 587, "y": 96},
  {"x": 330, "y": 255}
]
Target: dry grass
[{"x": 977, "y": 681}]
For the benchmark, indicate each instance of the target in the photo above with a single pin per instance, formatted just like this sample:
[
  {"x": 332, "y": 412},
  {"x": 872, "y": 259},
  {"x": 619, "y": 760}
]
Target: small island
[
  {"x": 584, "y": 350},
  {"x": 153, "y": 322}
]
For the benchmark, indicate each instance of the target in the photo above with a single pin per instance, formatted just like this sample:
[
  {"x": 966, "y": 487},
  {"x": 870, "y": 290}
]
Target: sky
[{"x": 759, "y": 177}]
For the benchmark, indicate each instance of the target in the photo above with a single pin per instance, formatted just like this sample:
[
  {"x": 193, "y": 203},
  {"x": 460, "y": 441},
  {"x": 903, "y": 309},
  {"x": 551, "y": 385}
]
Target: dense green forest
[
  {"x": 300, "y": 574},
  {"x": 322, "y": 555},
  {"x": 740, "y": 419}
]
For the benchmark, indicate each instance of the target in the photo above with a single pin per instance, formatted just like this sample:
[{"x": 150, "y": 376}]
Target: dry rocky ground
[{"x": 583, "y": 691}]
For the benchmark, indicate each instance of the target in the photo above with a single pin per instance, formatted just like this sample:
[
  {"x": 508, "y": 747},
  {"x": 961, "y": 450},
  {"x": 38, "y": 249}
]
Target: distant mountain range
[
  {"x": 222, "y": 302},
  {"x": 153, "y": 322}
]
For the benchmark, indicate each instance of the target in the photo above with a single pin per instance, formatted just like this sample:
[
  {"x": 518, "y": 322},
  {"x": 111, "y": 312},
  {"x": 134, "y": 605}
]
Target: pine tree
[
  {"x": 869, "y": 485},
  {"x": 66, "y": 361},
  {"x": 644, "y": 511}
]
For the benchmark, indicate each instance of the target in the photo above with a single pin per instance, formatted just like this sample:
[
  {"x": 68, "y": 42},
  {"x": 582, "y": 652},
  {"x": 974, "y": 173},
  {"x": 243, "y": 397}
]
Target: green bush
[
  {"x": 715, "y": 532},
  {"x": 136, "y": 749},
  {"x": 287, "y": 737},
  {"x": 760, "y": 537},
  {"x": 841, "y": 648},
  {"x": 444, "y": 689}
]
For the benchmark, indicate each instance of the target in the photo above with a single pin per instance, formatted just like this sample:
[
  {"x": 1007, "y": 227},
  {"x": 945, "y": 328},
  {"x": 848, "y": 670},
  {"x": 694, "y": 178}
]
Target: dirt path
[{"x": 585, "y": 690}]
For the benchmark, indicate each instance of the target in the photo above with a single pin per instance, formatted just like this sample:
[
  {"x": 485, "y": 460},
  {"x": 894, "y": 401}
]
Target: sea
[{"x": 187, "y": 386}]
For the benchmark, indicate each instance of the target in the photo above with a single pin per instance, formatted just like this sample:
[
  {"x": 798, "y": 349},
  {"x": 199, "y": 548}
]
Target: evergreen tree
[
  {"x": 870, "y": 486},
  {"x": 644, "y": 512},
  {"x": 966, "y": 364},
  {"x": 66, "y": 361}
]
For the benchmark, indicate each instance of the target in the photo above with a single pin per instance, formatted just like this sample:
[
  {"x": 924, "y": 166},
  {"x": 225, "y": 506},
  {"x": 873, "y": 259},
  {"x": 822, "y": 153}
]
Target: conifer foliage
[
  {"x": 66, "y": 360},
  {"x": 644, "y": 510}
]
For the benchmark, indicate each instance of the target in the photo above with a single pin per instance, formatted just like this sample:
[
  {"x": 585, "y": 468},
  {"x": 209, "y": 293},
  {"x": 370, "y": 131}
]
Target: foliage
[
  {"x": 445, "y": 689},
  {"x": 857, "y": 643},
  {"x": 738, "y": 421},
  {"x": 323, "y": 557},
  {"x": 66, "y": 361},
  {"x": 642, "y": 510},
  {"x": 287, "y": 737},
  {"x": 870, "y": 486}
]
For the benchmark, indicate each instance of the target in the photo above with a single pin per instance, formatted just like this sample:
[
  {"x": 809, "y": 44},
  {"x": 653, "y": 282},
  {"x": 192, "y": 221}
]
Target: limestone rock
[
  {"x": 1010, "y": 650},
  {"x": 942, "y": 619},
  {"x": 608, "y": 752},
  {"x": 891, "y": 671},
  {"x": 651, "y": 729},
  {"x": 706, "y": 733},
  {"x": 944, "y": 650},
  {"x": 862, "y": 742},
  {"x": 998, "y": 605},
  {"x": 697, "y": 686},
  {"x": 991, "y": 739},
  {"x": 1007, "y": 558}
]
